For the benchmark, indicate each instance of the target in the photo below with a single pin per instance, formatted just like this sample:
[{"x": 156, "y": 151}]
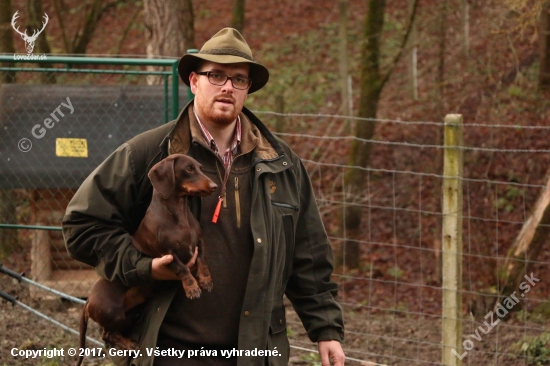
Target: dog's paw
[
  {"x": 193, "y": 293},
  {"x": 206, "y": 285}
]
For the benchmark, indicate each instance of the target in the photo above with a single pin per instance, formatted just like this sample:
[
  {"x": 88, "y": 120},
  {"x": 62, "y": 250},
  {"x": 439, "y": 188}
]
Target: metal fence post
[
  {"x": 452, "y": 241},
  {"x": 175, "y": 91}
]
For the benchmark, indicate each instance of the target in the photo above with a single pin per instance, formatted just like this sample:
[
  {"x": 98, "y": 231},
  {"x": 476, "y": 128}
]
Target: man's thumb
[{"x": 167, "y": 259}]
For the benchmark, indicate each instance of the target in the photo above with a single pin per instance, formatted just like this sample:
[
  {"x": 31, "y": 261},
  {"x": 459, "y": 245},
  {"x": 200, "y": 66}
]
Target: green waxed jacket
[{"x": 291, "y": 256}]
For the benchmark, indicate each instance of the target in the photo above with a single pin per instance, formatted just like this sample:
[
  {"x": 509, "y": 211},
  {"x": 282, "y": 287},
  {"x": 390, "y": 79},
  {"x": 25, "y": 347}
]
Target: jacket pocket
[
  {"x": 277, "y": 338},
  {"x": 278, "y": 319},
  {"x": 284, "y": 205},
  {"x": 288, "y": 226}
]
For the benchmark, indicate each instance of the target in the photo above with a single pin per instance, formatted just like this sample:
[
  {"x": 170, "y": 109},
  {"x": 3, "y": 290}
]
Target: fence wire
[{"x": 392, "y": 299}]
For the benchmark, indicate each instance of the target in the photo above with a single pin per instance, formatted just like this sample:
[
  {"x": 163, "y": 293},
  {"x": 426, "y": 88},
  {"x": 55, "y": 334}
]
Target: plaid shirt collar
[{"x": 232, "y": 151}]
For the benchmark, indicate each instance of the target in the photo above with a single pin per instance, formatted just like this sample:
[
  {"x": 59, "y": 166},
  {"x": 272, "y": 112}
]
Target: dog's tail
[{"x": 83, "y": 328}]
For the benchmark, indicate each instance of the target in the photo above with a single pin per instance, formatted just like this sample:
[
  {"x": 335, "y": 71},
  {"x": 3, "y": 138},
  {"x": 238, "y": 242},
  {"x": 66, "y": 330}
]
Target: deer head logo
[{"x": 29, "y": 40}]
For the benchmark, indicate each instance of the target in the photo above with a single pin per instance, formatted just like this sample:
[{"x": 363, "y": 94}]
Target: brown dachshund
[{"x": 168, "y": 227}]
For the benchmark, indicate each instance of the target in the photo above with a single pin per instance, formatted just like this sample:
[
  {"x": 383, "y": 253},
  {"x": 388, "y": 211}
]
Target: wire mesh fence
[{"x": 393, "y": 299}]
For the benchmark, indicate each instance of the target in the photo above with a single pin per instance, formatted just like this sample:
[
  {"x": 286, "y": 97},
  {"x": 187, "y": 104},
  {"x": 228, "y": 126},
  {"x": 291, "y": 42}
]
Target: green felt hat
[{"x": 226, "y": 47}]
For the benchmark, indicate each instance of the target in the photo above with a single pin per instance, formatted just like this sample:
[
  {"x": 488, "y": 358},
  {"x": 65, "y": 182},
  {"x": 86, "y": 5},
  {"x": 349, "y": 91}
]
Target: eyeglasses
[{"x": 219, "y": 79}]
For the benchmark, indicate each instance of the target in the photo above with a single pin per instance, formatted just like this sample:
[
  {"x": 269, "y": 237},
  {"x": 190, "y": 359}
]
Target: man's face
[{"x": 218, "y": 104}]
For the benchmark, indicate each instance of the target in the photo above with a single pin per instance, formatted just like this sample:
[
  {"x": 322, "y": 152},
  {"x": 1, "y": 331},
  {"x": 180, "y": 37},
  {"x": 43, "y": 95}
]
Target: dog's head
[{"x": 180, "y": 175}]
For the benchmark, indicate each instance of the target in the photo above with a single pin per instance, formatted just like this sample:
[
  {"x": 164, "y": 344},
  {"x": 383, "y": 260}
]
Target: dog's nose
[{"x": 213, "y": 186}]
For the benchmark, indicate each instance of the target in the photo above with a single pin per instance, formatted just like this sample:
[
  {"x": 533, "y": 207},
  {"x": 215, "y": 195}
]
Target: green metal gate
[{"x": 60, "y": 119}]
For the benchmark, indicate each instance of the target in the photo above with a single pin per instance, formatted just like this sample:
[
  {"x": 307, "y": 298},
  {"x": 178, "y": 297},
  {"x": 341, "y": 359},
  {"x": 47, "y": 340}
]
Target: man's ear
[
  {"x": 162, "y": 177},
  {"x": 193, "y": 80}
]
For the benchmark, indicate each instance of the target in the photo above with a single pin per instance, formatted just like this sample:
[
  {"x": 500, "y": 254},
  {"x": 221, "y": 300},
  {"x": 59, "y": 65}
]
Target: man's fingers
[
  {"x": 331, "y": 351},
  {"x": 324, "y": 358},
  {"x": 339, "y": 360},
  {"x": 159, "y": 270}
]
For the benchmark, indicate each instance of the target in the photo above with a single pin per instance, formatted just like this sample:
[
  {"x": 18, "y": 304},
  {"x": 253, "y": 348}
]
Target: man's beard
[
  {"x": 220, "y": 118},
  {"x": 216, "y": 116}
]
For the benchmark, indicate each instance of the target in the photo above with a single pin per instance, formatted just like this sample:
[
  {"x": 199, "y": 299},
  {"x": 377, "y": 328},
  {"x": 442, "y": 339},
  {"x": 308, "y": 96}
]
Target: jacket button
[
  {"x": 285, "y": 163},
  {"x": 280, "y": 321},
  {"x": 259, "y": 240},
  {"x": 246, "y": 313},
  {"x": 258, "y": 169}
]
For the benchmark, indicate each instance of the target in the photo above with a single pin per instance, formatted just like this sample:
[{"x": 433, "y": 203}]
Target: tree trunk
[
  {"x": 238, "y": 15},
  {"x": 441, "y": 64},
  {"x": 35, "y": 20},
  {"x": 372, "y": 83},
  {"x": 544, "y": 77},
  {"x": 466, "y": 28},
  {"x": 82, "y": 38},
  {"x": 170, "y": 30},
  {"x": 6, "y": 39},
  {"x": 529, "y": 242},
  {"x": 413, "y": 62},
  {"x": 343, "y": 63},
  {"x": 440, "y": 110},
  {"x": 370, "y": 87}
]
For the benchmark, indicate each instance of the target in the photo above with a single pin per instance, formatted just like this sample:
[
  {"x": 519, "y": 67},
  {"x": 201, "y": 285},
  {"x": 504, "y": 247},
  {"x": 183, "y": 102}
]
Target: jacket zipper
[
  {"x": 237, "y": 202},
  {"x": 285, "y": 205}
]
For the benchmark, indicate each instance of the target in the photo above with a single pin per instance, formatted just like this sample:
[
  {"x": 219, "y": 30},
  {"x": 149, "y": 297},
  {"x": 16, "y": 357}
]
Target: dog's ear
[{"x": 162, "y": 177}]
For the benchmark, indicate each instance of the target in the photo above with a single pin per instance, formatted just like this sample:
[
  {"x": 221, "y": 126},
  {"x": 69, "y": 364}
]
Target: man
[{"x": 263, "y": 232}]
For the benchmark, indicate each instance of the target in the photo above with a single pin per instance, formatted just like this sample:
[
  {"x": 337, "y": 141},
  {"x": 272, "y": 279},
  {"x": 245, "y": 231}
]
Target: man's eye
[
  {"x": 217, "y": 76},
  {"x": 241, "y": 80}
]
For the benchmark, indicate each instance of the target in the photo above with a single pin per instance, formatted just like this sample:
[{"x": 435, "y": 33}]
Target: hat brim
[{"x": 189, "y": 63}]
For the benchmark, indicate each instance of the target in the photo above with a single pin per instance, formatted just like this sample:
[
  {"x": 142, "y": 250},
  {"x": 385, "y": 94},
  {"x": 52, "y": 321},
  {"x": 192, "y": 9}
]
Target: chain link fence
[{"x": 59, "y": 119}]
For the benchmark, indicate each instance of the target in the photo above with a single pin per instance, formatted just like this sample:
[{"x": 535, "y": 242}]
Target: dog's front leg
[
  {"x": 192, "y": 290},
  {"x": 205, "y": 280}
]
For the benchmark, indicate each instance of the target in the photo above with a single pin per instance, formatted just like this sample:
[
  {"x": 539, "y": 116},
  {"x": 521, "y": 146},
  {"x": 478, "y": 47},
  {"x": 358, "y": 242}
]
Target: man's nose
[{"x": 228, "y": 86}]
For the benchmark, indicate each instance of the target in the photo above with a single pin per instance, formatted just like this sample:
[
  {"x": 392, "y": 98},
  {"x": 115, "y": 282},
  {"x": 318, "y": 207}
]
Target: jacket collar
[{"x": 256, "y": 136}]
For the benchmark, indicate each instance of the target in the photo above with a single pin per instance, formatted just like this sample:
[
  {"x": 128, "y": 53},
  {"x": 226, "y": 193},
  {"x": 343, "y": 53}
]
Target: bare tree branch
[
  {"x": 403, "y": 44},
  {"x": 83, "y": 37},
  {"x": 127, "y": 29},
  {"x": 57, "y": 7}
]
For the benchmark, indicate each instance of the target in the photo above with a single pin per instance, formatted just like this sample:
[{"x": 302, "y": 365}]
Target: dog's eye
[{"x": 190, "y": 169}]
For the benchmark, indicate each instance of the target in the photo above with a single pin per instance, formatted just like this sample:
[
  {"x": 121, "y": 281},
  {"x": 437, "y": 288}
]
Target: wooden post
[
  {"x": 452, "y": 241},
  {"x": 41, "y": 266},
  {"x": 41, "y": 263}
]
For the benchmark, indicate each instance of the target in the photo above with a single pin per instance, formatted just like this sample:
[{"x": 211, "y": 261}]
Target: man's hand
[
  {"x": 331, "y": 351},
  {"x": 160, "y": 272}
]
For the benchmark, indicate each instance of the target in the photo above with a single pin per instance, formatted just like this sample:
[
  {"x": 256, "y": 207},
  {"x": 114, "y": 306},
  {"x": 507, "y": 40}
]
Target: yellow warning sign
[{"x": 72, "y": 148}]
